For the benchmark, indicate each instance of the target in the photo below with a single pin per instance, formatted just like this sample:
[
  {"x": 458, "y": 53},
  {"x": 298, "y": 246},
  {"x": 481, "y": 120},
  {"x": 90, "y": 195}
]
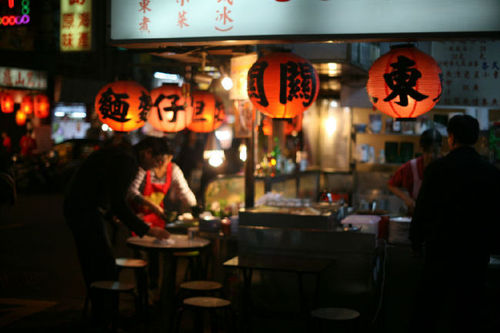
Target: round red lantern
[
  {"x": 123, "y": 105},
  {"x": 170, "y": 111},
  {"x": 208, "y": 112},
  {"x": 27, "y": 104},
  {"x": 7, "y": 103},
  {"x": 41, "y": 106},
  {"x": 20, "y": 118},
  {"x": 282, "y": 85},
  {"x": 405, "y": 82}
]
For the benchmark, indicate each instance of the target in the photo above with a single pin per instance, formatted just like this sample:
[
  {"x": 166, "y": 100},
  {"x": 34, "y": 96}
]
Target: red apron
[{"x": 156, "y": 193}]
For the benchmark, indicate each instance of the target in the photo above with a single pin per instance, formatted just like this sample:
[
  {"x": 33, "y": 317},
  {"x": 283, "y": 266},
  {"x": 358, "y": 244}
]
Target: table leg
[
  {"x": 247, "y": 299},
  {"x": 167, "y": 293}
]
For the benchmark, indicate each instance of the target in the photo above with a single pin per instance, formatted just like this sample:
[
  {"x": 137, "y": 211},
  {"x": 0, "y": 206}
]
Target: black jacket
[
  {"x": 458, "y": 207},
  {"x": 101, "y": 185}
]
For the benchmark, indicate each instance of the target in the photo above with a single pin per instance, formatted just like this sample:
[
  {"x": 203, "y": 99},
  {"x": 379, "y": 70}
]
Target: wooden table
[
  {"x": 297, "y": 265},
  {"x": 180, "y": 243}
]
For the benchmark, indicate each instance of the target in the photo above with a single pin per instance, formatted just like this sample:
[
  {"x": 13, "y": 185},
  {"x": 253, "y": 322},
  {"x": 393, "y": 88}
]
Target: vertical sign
[{"x": 76, "y": 25}]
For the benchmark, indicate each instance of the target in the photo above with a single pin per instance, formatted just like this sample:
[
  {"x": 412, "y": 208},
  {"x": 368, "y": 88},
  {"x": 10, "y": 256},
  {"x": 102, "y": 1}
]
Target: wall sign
[
  {"x": 76, "y": 25},
  {"x": 14, "y": 12},
  {"x": 22, "y": 78},
  {"x": 471, "y": 72},
  {"x": 143, "y": 20}
]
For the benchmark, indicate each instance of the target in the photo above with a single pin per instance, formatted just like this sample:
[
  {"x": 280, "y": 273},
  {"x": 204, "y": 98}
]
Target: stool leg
[
  {"x": 178, "y": 320},
  {"x": 213, "y": 321},
  {"x": 85, "y": 306},
  {"x": 198, "y": 321}
]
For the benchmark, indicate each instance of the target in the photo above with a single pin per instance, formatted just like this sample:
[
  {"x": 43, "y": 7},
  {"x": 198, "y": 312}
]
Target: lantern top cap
[{"x": 400, "y": 46}]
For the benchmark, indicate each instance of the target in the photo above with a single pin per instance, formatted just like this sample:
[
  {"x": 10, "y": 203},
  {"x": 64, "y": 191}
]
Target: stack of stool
[
  {"x": 139, "y": 268},
  {"x": 335, "y": 320},
  {"x": 204, "y": 302}
]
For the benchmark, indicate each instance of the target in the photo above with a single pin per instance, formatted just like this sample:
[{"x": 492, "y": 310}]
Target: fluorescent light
[
  {"x": 79, "y": 115},
  {"x": 59, "y": 114},
  {"x": 166, "y": 76}
]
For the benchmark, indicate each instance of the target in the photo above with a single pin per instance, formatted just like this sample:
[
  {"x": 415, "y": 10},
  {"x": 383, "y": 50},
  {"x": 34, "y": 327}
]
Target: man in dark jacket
[
  {"x": 456, "y": 220},
  {"x": 98, "y": 189}
]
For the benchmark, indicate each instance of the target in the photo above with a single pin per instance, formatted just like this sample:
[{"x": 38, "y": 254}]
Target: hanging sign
[
  {"x": 219, "y": 20},
  {"x": 22, "y": 78},
  {"x": 76, "y": 25}
]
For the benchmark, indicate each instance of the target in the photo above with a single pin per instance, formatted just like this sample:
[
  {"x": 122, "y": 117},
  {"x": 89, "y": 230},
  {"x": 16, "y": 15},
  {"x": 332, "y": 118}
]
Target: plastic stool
[
  {"x": 139, "y": 267},
  {"x": 336, "y": 319},
  {"x": 210, "y": 304}
]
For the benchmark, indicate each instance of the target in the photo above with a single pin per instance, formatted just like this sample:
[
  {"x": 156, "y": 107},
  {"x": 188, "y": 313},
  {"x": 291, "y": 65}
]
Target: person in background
[
  {"x": 456, "y": 222},
  {"x": 27, "y": 144},
  {"x": 164, "y": 185},
  {"x": 151, "y": 192},
  {"x": 406, "y": 182},
  {"x": 97, "y": 190},
  {"x": 6, "y": 142}
]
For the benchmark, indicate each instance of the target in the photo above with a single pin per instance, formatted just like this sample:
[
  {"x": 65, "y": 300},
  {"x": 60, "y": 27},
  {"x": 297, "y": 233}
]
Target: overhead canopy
[{"x": 137, "y": 23}]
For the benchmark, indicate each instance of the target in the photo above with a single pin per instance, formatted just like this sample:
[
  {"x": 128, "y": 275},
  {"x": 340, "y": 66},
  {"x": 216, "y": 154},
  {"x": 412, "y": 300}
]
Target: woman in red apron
[{"x": 155, "y": 193}]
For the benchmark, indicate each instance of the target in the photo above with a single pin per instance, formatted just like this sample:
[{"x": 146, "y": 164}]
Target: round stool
[
  {"x": 113, "y": 287},
  {"x": 201, "y": 286},
  {"x": 338, "y": 319},
  {"x": 139, "y": 267},
  {"x": 210, "y": 304}
]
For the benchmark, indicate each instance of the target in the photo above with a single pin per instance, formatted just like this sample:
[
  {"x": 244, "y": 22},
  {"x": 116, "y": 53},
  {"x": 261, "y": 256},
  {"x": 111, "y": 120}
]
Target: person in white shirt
[{"x": 149, "y": 189}]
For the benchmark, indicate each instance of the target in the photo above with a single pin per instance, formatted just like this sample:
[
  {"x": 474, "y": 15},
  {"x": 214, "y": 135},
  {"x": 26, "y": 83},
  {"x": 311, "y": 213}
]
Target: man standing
[
  {"x": 456, "y": 221},
  {"x": 98, "y": 189}
]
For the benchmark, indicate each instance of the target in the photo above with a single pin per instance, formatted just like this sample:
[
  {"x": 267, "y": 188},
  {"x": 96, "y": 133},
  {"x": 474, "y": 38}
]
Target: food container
[{"x": 399, "y": 230}]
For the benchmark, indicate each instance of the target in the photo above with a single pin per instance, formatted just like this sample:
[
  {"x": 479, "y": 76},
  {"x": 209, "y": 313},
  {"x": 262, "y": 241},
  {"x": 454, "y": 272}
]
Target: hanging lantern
[
  {"x": 27, "y": 104},
  {"x": 20, "y": 118},
  {"x": 170, "y": 111},
  {"x": 292, "y": 126},
  {"x": 282, "y": 85},
  {"x": 208, "y": 112},
  {"x": 7, "y": 103},
  {"x": 405, "y": 82},
  {"x": 123, "y": 105},
  {"x": 41, "y": 106}
]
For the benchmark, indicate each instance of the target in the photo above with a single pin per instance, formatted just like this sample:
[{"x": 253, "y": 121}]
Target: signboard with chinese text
[
  {"x": 22, "y": 78},
  {"x": 76, "y": 25},
  {"x": 147, "y": 20},
  {"x": 470, "y": 72}
]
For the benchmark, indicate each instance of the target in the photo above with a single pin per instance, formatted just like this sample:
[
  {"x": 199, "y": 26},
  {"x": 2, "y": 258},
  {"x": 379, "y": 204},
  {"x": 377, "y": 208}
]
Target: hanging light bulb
[
  {"x": 225, "y": 136},
  {"x": 227, "y": 83}
]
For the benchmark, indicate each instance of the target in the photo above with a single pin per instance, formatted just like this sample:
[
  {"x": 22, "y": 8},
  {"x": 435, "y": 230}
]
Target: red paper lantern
[
  {"x": 282, "y": 85},
  {"x": 27, "y": 104},
  {"x": 291, "y": 125},
  {"x": 208, "y": 112},
  {"x": 20, "y": 118},
  {"x": 405, "y": 82},
  {"x": 170, "y": 111},
  {"x": 41, "y": 106},
  {"x": 7, "y": 103},
  {"x": 123, "y": 105}
]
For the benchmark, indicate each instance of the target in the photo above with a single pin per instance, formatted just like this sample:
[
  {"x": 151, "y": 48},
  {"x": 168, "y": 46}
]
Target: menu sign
[
  {"x": 470, "y": 72},
  {"x": 76, "y": 25},
  {"x": 142, "y": 20},
  {"x": 22, "y": 78}
]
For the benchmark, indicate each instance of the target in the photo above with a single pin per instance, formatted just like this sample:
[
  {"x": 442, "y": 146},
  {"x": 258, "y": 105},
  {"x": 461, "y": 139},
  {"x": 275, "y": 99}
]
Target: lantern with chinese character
[
  {"x": 170, "y": 111},
  {"x": 20, "y": 117},
  {"x": 208, "y": 112},
  {"x": 123, "y": 105},
  {"x": 404, "y": 83},
  {"x": 41, "y": 106},
  {"x": 282, "y": 85},
  {"x": 292, "y": 126},
  {"x": 27, "y": 104},
  {"x": 7, "y": 103}
]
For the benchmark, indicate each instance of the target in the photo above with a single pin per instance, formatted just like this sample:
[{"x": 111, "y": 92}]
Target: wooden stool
[
  {"x": 139, "y": 267},
  {"x": 114, "y": 287},
  {"x": 335, "y": 319},
  {"x": 193, "y": 269},
  {"x": 210, "y": 304}
]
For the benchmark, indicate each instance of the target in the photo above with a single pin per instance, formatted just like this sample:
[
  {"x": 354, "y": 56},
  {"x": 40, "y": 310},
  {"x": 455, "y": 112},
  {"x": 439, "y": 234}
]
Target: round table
[{"x": 176, "y": 243}]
